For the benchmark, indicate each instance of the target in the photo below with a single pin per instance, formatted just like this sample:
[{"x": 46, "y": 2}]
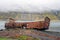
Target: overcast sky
[{"x": 29, "y": 5}]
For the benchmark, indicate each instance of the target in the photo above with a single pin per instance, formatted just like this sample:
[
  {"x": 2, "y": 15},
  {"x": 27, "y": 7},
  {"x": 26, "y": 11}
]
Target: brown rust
[{"x": 38, "y": 24}]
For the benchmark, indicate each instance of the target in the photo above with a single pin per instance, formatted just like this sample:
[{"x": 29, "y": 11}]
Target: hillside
[
  {"x": 51, "y": 16},
  {"x": 28, "y": 16}
]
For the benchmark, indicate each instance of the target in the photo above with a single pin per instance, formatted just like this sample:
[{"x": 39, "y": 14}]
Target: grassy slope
[{"x": 51, "y": 16}]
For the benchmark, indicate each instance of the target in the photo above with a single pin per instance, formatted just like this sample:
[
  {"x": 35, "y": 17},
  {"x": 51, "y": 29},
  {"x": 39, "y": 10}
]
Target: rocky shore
[{"x": 43, "y": 35}]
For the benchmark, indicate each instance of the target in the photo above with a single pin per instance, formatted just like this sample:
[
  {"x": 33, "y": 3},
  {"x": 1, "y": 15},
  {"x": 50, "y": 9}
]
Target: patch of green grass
[
  {"x": 23, "y": 37},
  {"x": 27, "y": 37},
  {"x": 1, "y": 38}
]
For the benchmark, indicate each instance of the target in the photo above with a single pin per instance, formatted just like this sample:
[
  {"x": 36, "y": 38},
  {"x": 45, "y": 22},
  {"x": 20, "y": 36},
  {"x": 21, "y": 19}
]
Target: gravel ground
[{"x": 43, "y": 35}]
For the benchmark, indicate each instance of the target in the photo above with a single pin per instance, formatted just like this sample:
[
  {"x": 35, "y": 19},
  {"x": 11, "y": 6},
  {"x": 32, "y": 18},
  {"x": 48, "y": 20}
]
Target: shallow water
[{"x": 54, "y": 26}]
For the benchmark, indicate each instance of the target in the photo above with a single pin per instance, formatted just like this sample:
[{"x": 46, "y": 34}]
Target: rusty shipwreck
[{"x": 42, "y": 25}]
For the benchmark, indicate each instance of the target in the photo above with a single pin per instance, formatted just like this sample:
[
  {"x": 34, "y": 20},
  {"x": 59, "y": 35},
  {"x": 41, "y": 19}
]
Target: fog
[{"x": 29, "y": 5}]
